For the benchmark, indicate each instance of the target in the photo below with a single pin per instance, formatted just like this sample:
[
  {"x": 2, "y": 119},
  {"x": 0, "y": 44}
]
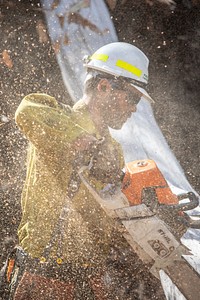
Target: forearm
[{"x": 44, "y": 122}]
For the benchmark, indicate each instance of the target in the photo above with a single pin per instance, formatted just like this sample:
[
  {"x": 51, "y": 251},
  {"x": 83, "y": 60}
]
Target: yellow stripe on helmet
[
  {"x": 128, "y": 67},
  {"x": 102, "y": 57}
]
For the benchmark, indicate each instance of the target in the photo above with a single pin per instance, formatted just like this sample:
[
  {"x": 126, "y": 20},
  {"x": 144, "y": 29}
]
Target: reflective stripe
[
  {"x": 120, "y": 63},
  {"x": 102, "y": 57},
  {"x": 128, "y": 67}
]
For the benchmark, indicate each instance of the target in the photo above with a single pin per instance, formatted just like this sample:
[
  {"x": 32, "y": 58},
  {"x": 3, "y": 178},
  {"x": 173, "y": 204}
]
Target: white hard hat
[{"x": 124, "y": 60}]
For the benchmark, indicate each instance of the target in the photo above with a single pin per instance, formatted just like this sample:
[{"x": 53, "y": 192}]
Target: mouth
[{"x": 126, "y": 117}]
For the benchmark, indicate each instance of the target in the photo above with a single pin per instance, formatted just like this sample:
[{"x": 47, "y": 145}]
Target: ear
[{"x": 103, "y": 85}]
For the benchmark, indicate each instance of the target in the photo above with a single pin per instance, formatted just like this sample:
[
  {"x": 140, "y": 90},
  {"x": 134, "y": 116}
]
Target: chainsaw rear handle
[
  {"x": 193, "y": 202},
  {"x": 185, "y": 219}
]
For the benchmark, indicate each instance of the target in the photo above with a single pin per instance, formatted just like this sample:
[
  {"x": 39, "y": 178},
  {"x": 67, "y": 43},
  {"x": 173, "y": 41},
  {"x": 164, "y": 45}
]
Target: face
[{"x": 119, "y": 104}]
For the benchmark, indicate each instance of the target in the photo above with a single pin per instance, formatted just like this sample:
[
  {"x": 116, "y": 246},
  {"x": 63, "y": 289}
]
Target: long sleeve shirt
[{"x": 52, "y": 133}]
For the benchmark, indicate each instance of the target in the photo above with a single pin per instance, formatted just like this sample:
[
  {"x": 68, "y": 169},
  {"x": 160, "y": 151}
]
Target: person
[{"x": 65, "y": 238}]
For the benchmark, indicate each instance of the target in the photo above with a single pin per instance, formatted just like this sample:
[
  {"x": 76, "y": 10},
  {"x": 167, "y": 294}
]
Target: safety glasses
[{"x": 133, "y": 96}]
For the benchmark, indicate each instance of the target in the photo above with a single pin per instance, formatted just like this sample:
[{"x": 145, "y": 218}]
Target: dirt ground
[{"x": 170, "y": 38}]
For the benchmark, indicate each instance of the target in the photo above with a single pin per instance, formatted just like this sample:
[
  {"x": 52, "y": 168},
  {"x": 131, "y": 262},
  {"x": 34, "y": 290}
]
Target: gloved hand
[{"x": 106, "y": 163}]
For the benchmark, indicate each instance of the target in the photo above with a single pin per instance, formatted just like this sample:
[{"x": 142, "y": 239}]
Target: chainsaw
[{"x": 153, "y": 219}]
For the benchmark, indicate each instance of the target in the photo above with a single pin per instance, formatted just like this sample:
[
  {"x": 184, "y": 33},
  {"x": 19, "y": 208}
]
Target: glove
[{"x": 106, "y": 164}]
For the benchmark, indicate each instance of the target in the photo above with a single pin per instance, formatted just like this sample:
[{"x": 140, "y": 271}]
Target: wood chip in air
[
  {"x": 7, "y": 59},
  {"x": 55, "y": 4},
  {"x": 42, "y": 31},
  {"x": 112, "y": 4}
]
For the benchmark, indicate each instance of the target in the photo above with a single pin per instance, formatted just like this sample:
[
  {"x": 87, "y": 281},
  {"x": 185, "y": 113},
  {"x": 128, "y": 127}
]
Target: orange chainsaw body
[{"x": 141, "y": 174}]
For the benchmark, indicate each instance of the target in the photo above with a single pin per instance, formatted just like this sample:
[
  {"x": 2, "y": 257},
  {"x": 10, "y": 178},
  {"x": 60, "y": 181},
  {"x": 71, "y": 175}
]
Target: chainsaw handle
[
  {"x": 194, "y": 202},
  {"x": 175, "y": 210}
]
